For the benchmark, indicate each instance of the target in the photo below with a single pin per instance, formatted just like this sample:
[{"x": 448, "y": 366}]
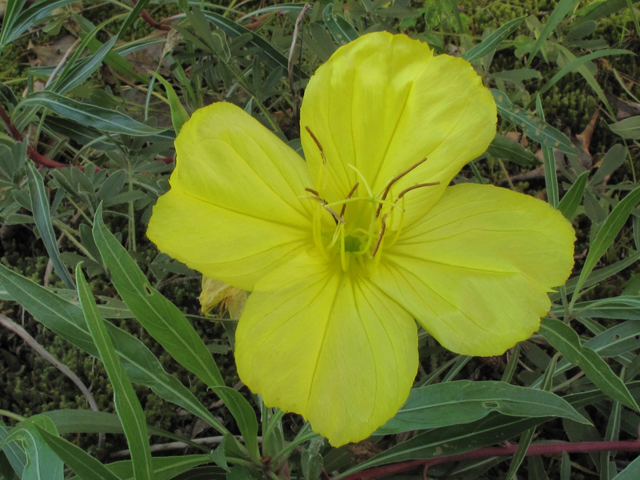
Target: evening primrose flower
[{"x": 344, "y": 252}]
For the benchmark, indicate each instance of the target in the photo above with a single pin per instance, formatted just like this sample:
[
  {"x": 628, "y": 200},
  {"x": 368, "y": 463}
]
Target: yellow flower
[{"x": 344, "y": 251}]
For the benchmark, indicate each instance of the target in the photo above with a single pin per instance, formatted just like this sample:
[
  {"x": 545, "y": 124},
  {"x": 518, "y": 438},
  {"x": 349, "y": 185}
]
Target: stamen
[
  {"x": 394, "y": 180},
  {"x": 336, "y": 235},
  {"x": 357, "y": 199},
  {"x": 364, "y": 180},
  {"x": 311, "y": 190},
  {"x": 317, "y": 232},
  {"x": 344, "y": 260},
  {"x": 353, "y": 190},
  {"x": 420, "y": 185},
  {"x": 400, "y": 225},
  {"x": 382, "y": 229},
  {"x": 315, "y": 139},
  {"x": 328, "y": 209}
]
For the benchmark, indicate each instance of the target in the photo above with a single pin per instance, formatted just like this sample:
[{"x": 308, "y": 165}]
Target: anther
[
  {"x": 383, "y": 227},
  {"x": 395, "y": 179},
  {"x": 420, "y": 185},
  {"x": 315, "y": 139},
  {"x": 353, "y": 190},
  {"x": 311, "y": 190}
]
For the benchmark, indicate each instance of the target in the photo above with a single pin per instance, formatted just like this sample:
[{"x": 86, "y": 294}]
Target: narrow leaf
[
  {"x": 610, "y": 163},
  {"x": 563, "y": 7},
  {"x": 179, "y": 115},
  {"x": 265, "y": 50},
  {"x": 166, "y": 323},
  {"x": 339, "y": 27},
  {"x": 103, "y": 119},
  {"x": 67, "y": 320},
  {"x": 572, "y": 199},
  {"x": 627, "y": 128},
  {"x": 550, "y": 175},
  {"x": 607, "y": 234},
  {"x": 492, "y": 42},
  {"x": 574, "y": 64},
  {"x": 126, "y": 402},
  {"x": 534, "y": 128},
  {"x": 164, "y": 468},
  {"x": 464, "y": 401},
  {"x": 564, "y": 339},
  {"x": 83, "y": 464},
  {"x": 42, "y": 216},
  {"x": 507, "y": 149},
  {"x": 42, "y": 462}
]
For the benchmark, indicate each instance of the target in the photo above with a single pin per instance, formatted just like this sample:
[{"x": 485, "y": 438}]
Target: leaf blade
[{"x": 126, "y": 402}]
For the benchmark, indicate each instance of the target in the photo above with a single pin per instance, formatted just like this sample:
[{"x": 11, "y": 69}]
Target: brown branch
[{"x": 545, "y": 449}]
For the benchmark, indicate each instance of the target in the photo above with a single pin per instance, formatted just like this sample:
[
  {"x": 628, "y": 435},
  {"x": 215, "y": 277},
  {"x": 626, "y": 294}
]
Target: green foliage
[{"x": 110, "y": 108}]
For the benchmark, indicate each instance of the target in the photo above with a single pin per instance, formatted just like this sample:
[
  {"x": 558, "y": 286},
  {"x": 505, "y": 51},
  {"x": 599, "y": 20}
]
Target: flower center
[{"x": 361, "y": 233}]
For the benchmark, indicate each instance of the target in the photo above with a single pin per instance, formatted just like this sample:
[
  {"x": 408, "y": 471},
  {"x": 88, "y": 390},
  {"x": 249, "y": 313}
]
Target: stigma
[{"x": 363, "y": 223}]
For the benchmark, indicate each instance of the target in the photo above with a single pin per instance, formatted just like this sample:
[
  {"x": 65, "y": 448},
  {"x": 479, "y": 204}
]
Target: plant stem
[{"x": 540, "y": 449}]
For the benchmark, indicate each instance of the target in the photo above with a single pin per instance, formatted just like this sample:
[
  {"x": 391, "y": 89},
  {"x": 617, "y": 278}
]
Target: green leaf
[
  {"x": 601, "y": 274},
  {"x": 166, "y": 323},
  {"x": 602, "y": 8},
  {"x": 215, "y": 42},
  {"x": 266, "y": 52},
  {"x": 550, "y": 174},
  {"x": 490, "y": 44},
  {"x": 164, "y": 468},
  {"x": 90, "y": 421},
  {"x": 134, "y": 15},
  {"x": 532, "y": 126},
  {"x": 16, "y": 456},
  {"x": 320, "y": 42},
  {"x": 564, "y": 339},
  {"x": 632, "y": 472},
  {"x": 103, "y": 119},
  {"x": 523, "y": 446},
  {"x": 124, "y": 397},
  {"x": 571, "y": 200},
  {"x": 41, "y": 461},
  {"x": 464, "y": 401},
  {"x": 16, "y": 23},
  {"x": 42, "y": 216},
  {"x": 507, "y": 149},
  {"x": 563, "y": 7},
  {"x": 67, "y": 320},
  {"x": 113, "y": 58},
  {"x": 342, "y": 31},
  {"x": 574, "y": 64},
  {"x": 627, "y": 128},
  {"x": 454, "y": 440},
  {"x": 12, "y": 10},
  {"x": 610, "y": 163},
  {"x": 619, "y": 308},
  {"x": 179, "y": 115},
  {"x": 77, "y": 71},
  {"x": 607, "y": 234},
  {"x": 83, "y": 464}
]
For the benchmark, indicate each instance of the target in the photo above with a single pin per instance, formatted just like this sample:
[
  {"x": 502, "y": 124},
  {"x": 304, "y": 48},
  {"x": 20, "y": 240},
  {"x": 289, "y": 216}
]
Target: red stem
[
  {"x": 151, "y": 21},
  {"x": 547, "y": 449},
  {"x": 32, "y": 153}
]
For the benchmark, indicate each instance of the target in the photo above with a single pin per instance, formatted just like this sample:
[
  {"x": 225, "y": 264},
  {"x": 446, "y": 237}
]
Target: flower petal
[
  {"x": 233, "y": 211},
  {"x": 384, "y": 102},
  {"x": 476, "y": 270},
  {"x": 329, "y": 346}
]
